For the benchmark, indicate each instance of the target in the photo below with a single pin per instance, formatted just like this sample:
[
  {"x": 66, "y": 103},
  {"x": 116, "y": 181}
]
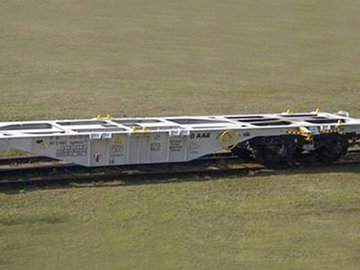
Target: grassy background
[
  {"x": 79, "y": 58},
  {"x": 303, "y": 220},
  {"x": 69, "y": 59}
]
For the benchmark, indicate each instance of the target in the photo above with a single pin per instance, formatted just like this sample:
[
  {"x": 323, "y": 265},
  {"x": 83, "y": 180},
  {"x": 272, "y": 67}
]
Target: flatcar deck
[{"x": 124, "y": 141}]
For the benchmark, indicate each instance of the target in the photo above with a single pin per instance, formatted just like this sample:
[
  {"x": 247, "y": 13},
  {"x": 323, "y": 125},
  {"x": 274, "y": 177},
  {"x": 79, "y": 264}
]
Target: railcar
[{"x": 270, "y": 139}]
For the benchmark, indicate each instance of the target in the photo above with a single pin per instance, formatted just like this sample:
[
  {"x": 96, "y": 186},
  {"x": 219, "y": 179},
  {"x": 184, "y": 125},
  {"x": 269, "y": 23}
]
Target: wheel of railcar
[
  {"x": 279, "y": 155},
  {"x": 333, "y": 149},
  {"x": 242, "y": 152}
]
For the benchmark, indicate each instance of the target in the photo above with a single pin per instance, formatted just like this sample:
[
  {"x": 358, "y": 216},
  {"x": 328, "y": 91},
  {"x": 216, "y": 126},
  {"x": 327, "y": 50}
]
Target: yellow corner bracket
[{"x": 304, "y": 132}]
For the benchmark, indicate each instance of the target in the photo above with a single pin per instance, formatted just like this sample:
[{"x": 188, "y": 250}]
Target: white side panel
[
  {"x": 177, "y": 148},
  {"x": 4, "y": 144},
  {"x": 99, "y": 153},
  {"x": 134, "y": 149},
  {"x": 67, "y": 148},
  {"x": 201, "y": 143},
  {"x": 147, "y": 148},
  {"x": 143, "y": 149},
  {"x": 118, "y": 151},
  {"x": 158, "y": 147}
]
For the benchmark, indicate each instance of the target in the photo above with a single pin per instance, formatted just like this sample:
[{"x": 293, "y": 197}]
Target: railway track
[
  {"x": 77, "y": 173},
  {"x": 34, "y": 169}
]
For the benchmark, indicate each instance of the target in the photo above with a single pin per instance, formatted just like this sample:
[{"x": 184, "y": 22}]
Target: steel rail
[
  {"x": 76, "y": 173},
  {"x": 61, "y": 173}
]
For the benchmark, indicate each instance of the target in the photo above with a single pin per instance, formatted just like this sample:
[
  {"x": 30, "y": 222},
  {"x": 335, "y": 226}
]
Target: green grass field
[{"x": 72, "y": 59}]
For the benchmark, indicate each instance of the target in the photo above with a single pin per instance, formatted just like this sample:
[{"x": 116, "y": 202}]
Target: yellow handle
[{"x": 229, "y": 139}]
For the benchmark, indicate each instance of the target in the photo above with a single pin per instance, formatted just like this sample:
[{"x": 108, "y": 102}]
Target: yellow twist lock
[
  {"x": 340, "y": 125},
  {"x": 100, "y": 116},
  {"x": 289, "y": 110}
]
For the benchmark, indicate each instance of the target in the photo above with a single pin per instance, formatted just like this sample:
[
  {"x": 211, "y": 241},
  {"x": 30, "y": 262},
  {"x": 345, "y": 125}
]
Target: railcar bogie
[
  {"x": 277, "y": 151},
  {"x": 331, "y": 147}
]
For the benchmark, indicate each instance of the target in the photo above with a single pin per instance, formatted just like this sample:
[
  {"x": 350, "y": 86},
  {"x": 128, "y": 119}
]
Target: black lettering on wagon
[{"x": 201, "y": 135}]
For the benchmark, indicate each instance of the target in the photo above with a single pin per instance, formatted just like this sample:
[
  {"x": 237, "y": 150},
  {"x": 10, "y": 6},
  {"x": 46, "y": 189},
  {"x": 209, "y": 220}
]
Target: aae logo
[{"x": 203, "y": 135}]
